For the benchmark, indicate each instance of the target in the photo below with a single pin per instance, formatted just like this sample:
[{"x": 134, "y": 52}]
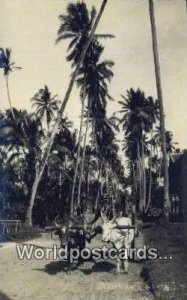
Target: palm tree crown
[
  {"x": 5, "y": 61},
  {"x": 76, "y": 25},
  {"x": 139, "y": 112},
  {"x": 46, "y": 105}
]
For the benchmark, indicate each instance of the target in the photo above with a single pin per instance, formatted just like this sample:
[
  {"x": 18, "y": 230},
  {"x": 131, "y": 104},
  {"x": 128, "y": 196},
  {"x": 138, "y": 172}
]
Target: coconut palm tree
[
  {"x": 60, "y": 113},
  {"x": 46, "y": 104},
  {"x": 160, "y": 99},
  {"x": 138, "y": 116},
  {"x": 92, "y": 79},
  {"x": 27, "y": 155},
  {"x": 76, "y": 25},
  {"x": 104, "y": 137},
  {"x": 8, "y": 66}
]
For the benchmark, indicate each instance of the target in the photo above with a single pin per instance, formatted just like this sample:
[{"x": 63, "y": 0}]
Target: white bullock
[{"x": 120, "y": 238}]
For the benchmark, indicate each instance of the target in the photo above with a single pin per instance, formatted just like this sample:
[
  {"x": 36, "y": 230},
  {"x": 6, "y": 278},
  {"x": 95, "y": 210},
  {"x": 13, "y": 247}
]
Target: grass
[
  {"x": 167, "y": 278},
  {"x": 22, "y": 233}
]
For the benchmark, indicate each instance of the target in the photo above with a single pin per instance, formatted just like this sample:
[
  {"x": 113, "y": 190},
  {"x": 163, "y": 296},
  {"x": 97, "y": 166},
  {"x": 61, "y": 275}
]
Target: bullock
[
  {"x": 73, "y": 238},
  {"x": 120, "y": 238}
]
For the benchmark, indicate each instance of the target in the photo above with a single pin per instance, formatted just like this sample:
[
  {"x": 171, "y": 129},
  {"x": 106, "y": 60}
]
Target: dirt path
[{"x": 46, "y": 279}]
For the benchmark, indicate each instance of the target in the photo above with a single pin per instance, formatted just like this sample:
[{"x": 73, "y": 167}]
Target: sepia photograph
[{"x": 93, "y": 149}]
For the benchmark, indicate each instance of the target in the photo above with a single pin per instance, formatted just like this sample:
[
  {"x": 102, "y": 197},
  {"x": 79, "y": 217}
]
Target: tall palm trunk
[
  {"x": 78, "y": 158},
  {"x": 143, "y": 178},
  {"x": 160, "y": 99},
  {"x": 134, "y": 180},
  {"x": 83, "y": 156},
  {"x": 28, "y": 219},
  {"x": 60, "y": 184},
  {"x": 23, "y": 138},
  {"x": 99, "y": 179},
  {"x": 88, "y": 176},
  {"x": 139, "y": 162},
  {"x": 150, "y": 177},
  {"x": 150, "y": 187},
  {"x": 9, "y": 99},
  {"x": 98, "y": 164}
]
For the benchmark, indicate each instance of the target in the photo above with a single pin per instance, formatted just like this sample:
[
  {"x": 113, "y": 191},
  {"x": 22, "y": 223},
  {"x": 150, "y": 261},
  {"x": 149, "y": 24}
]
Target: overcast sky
[{"x": 30, "y": 27}]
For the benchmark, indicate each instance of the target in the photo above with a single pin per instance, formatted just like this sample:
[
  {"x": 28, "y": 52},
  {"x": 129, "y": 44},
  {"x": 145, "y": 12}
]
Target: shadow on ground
[
  {"x": 102, "y": 266},
  {"x": 55, "y": 267},
  {"x": 87, "y": 267},
  {"x": 4, "y": 296}
]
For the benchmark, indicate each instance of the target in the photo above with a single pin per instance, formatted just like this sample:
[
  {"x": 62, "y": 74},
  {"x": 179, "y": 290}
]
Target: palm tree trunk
[
  {"x": 78, "y": 158},
  {"x": 134, "y": 179},
  {"x": 28, "y": 219},
  {"x": 9, "y": 100},
  {"x": 140, "y": 204},
  {"x": 87, "y": 176},
  {"x": 150, "y": 178},
  {"x": 150, "y": 187},
  {"x": 101, "y": 184},
  {"x": 24, "y": 138},
  {"x": 60, "y": 184},
  {"x": 161, "y": 106},
  {"x": 143, "y": 178},
  {"x": 83, "y": 156}
]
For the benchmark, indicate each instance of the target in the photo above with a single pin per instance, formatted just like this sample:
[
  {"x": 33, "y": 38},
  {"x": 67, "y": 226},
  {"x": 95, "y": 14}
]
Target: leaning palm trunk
[
  {"x": 83, "y": 156},
  {"x": 28, "y": 219},
  {"x": 161, "y": 106}
]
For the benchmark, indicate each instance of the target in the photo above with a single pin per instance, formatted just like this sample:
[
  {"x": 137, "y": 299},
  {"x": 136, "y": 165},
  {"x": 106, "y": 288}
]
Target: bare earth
[{"x": 47, "y": 279}]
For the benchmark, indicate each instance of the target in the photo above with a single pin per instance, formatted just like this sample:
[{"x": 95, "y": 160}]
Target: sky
[{"x": 29, "y": 28}]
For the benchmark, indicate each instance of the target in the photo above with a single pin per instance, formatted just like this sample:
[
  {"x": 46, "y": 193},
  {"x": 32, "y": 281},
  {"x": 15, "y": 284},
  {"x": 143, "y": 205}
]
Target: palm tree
[
  {"x": 157, "y": 139},
  {"x": 138, "y": 116},
  {"x": 27, "y": 155},
  {"x": 60, "y": 113},
  {"x": 104, "y": 138},
  {"x": 76, "y": 25},
  {"x": 8, "y": 66},
  {"x": 160, "y": 99},
  {"x": 92, "y": 79},
  {"x": 46, "y": 105}
]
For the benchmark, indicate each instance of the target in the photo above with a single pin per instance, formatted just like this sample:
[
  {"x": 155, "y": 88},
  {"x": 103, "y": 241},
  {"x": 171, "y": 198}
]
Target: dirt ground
[{"x": 41, "y": 279}]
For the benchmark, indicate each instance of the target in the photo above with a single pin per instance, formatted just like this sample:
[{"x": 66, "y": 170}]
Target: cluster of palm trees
[
  {"x": 139, "y": 118},
  {"x": 69, "y": 157},
  {"x": 49, "y": 160}
]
